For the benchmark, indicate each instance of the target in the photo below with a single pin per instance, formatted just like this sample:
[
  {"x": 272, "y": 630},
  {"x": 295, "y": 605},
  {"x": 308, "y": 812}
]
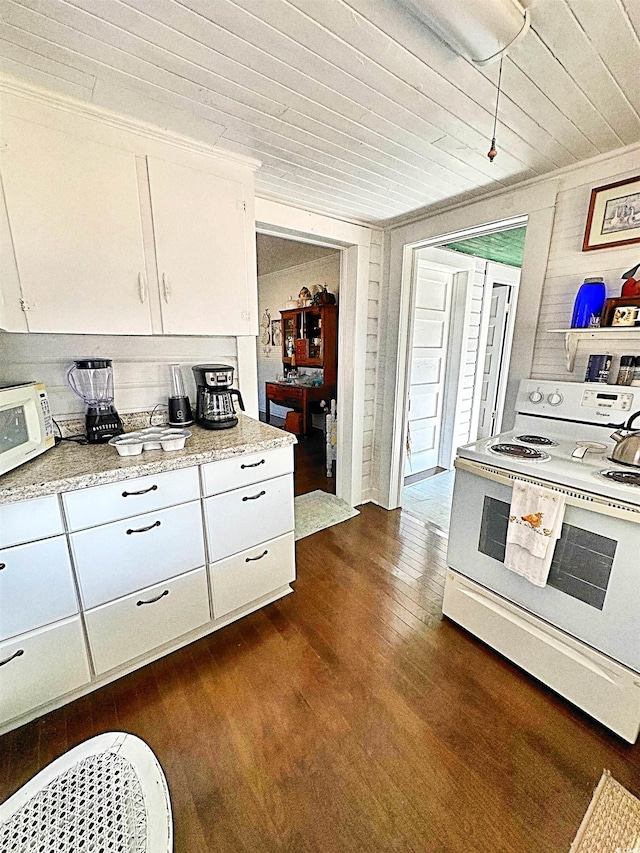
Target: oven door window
[
  {"x": 14, "y": 431},
  {"x": 582, "y": 560}
]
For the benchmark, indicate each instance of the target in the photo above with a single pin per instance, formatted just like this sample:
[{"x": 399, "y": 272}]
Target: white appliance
[
  {"x": 26, "y": 426},
  {"x": 580, "y": 634}
]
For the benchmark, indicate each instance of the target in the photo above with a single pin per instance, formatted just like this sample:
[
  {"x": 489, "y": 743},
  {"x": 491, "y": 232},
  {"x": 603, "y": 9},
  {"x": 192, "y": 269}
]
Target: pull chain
[{"x": 493, "y": 150}]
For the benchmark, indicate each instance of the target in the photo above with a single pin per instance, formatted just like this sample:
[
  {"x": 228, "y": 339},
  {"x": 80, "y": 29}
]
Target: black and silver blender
[
  {"x": 214, "y": 407},
  {"x": 92, "y": 381}
]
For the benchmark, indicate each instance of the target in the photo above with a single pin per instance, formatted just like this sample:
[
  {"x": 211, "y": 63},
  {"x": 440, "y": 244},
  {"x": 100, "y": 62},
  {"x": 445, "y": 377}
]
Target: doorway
[
  {"x": 464, "y": 295},
  {"x": 289, "y": 271}
]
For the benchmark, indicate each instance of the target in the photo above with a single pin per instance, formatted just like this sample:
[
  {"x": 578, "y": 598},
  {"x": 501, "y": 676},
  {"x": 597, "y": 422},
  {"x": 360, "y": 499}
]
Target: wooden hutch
[{"x": 309, "y": 339}]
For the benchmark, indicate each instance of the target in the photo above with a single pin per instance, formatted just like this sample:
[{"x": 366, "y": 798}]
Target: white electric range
[{"x": 580, "y": 634}]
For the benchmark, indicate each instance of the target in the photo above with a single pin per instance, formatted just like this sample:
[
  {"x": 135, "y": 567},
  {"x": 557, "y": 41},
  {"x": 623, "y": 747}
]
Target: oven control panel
[{"x": 618, "y": 401}]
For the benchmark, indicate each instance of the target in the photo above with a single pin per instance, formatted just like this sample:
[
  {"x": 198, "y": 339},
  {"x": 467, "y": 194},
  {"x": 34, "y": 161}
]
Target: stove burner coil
[
  {"x": 540, "y": 440},
  {"x": 519, "y": 451},
  {"x": 629, "y": 478}
]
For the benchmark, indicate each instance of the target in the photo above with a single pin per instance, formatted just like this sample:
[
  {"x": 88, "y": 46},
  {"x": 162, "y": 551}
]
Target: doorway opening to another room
[
  {"x": 464, "y": 295},
  {"x": 297, "y": 348}
]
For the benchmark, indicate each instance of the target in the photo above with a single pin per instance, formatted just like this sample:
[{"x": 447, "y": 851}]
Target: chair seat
[{"x": 108, "y": 795}]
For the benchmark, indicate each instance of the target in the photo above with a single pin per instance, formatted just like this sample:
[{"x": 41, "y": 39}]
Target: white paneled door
[
  {"x": 432, "y": 309},
  {"x": 502, "y": 286}
]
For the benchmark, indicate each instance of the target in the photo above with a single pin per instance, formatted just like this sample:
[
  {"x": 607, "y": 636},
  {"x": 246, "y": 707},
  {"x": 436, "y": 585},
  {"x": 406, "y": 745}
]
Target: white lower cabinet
[
  {"x": 246, "y": 517},
  {"x": 245, "y": 577},
  {"x": 40, "y": 666},
  {"x": 116, "y": 559},
  {"x": 36, "y": 586},
  {"x": 132, "y": 626}
]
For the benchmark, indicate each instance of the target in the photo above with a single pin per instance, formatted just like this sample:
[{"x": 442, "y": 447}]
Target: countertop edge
[{"x": 171, "y": 462}]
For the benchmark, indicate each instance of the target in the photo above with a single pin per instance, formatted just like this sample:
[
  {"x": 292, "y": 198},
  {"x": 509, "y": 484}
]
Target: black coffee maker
[{"x": 214, "y": 406}]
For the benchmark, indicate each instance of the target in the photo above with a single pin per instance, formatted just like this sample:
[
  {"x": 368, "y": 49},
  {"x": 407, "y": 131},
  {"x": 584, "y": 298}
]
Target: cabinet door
[
  {"x": 74, "y": 214},
  {"x": 199, "y": 227}
]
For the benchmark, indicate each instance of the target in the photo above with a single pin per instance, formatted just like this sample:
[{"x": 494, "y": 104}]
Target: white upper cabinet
[
  {"x": 74, "y": 215},
  {"x": 199, "y": 225}
]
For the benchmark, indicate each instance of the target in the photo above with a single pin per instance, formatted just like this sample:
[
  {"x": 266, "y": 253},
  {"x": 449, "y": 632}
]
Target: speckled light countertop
[{"x": 71, "y": 466}]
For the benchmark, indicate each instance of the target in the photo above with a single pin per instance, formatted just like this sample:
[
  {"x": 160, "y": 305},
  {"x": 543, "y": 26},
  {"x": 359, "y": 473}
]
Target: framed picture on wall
[
  {"x": 614, "y": 215},
  {"x": 276, "y": 333}
]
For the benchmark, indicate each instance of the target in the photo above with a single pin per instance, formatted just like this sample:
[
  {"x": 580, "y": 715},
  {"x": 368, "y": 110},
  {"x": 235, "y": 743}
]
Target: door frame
[
  {"x": 407, "y": 285},
  {"x": 354, "y": 241}
]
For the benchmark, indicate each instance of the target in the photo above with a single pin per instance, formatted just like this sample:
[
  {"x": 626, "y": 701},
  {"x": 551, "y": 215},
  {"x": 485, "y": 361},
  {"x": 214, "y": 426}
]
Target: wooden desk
[{"x": 297, "y": 397}]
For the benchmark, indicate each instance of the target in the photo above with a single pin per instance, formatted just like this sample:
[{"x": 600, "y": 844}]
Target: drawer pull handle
[
  {"x": 144, "y": 529},
  {"x": 253, "y": 464},
  {"x": 251, "y": 559},
  {"x": 3, "y": 566},
  {"x": 254, "y": 497},
  {"x": 141, "y": 492},
  {"x": 11, "y": 657},
  {"x": 152, "y": 600}
]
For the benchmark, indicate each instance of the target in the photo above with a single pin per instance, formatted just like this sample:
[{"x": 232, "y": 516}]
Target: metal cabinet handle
[
  {"x": 253, "y": 464},
  {"x": 3, "y": 566},
  {"x": 152, "y": 600},
  {"x": 254, "y": 497},
  {"x": 144, "y": 529},
  {"x": 142, "y": 288},
  {"x": 11, "y": 657},
  {"x": 141, "y": 492},
  {"x": 252, "y": 559}
]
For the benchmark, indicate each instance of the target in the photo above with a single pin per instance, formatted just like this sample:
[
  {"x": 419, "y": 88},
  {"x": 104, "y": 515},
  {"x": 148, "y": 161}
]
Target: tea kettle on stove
[{"x": 627, "y": 447}]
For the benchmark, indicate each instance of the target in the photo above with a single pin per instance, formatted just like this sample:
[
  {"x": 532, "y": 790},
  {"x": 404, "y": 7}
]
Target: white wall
[
  {"x": 553, "y": 269},
  {"x": 568, "y": 266},
  {"x": 273, "y": 292},
  {"x": 374, "y": 326},
  {"x": 140, "y": 364}
]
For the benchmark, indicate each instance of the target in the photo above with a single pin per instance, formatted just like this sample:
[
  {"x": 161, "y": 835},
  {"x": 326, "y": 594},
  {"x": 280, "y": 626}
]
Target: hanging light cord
[{"x": 494, "y": 151}]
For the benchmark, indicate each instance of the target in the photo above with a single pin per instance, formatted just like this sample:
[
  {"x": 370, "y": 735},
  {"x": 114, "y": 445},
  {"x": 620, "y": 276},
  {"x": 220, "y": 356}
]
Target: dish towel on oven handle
[{"x": 535, "y": 525}]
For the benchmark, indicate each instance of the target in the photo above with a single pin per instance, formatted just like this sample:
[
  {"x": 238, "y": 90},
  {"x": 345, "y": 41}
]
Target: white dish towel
[{"x": 535, "y": 524}]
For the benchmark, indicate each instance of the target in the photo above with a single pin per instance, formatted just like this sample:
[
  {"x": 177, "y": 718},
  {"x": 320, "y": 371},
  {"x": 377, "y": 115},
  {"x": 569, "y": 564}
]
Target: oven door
[{"x": 593, "y": 590}]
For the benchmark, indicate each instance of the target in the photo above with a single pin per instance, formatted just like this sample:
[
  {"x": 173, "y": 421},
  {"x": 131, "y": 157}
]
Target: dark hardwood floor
[
  {"x": 309, "y": 455},
  {"x": 350, "y": 717}
]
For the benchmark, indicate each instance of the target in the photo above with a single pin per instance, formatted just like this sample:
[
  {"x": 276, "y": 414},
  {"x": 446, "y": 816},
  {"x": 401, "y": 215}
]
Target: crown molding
[{"x": 73, "y": 106}]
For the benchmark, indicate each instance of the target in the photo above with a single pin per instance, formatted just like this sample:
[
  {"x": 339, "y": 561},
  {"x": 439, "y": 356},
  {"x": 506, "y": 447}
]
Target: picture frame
[
  {"x": 618, "y": 304},
  {"x": 276, "y": 333},
  {"x": 614, "y": 215}
]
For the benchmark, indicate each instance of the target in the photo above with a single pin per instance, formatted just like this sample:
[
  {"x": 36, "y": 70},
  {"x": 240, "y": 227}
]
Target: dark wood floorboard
[
  {"x": 309, "y": 462},
  {"x": 350, "y": 716}
]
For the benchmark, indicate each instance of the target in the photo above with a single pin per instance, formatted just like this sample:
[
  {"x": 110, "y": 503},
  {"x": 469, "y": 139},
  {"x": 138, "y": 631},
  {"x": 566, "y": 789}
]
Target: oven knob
[
  {"x": 555, "y": 398},
  {"x": 536, "y": 396}
]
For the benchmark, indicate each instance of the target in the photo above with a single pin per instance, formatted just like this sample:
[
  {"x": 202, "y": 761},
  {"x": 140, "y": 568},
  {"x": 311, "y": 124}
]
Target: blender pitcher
[{"x": 92, "y": 380}]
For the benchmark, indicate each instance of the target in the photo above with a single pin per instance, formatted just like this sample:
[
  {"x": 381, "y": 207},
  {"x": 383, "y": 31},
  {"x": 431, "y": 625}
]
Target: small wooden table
[{"x": 297, "y": 397}]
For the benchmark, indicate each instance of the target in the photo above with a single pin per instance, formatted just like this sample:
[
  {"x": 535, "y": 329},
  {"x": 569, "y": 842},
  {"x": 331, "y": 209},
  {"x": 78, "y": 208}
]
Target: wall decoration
[
  {"x": 621, "y": 311},
  {"x": 276, "y": 333},
  {"x": 614, "y": 215}
]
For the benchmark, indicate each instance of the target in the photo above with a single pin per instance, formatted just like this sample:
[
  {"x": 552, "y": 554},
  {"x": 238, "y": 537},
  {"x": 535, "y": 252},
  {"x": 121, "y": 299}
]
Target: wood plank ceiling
[{"x": 353, "y": 106}]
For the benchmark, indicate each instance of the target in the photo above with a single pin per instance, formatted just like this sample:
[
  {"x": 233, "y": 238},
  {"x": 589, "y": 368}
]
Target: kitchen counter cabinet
[{"x": 149, "y": 581}]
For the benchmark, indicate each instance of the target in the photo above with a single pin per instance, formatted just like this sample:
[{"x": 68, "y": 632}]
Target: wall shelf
[{"x": 573, "y": 336}]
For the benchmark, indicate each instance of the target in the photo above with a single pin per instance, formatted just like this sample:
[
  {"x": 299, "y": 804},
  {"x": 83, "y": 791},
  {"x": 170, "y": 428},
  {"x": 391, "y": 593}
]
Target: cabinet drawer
[
  {"x": 125, "y": 629},
  {"x": 101, "y": 504},
  {"x": 36, "y": 586},
  {"x": 246, "y": 517},
  {"x": 28, "y": 520},
  {"x": 240, "y": 471},
  {"x": 40, "y": 666},
  {"x": 258, "y": 571},
  {"x": 282, "y": 393},
  {"x": 118, "y": 558}
]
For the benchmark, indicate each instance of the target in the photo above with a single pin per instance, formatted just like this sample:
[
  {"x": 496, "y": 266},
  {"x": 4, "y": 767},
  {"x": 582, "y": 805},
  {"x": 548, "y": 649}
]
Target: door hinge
[
  {"x": 241, "y": 205},
  {"x": 28, "y": 306}
]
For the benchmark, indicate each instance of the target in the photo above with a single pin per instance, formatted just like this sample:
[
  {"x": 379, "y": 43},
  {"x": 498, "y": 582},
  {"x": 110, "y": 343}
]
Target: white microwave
[{"x": 26, "y": 426}]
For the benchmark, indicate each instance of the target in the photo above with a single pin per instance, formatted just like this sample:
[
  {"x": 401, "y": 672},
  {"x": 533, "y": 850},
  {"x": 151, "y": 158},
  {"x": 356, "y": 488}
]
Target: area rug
[
  {"x": 318, "y": 510},
  {"x": 612, "y": 821}
]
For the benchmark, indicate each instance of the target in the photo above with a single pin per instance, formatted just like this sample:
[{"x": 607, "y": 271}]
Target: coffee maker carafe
[
  {"x": 92, "y": 381},
  {"x": 214, "y": 406}
]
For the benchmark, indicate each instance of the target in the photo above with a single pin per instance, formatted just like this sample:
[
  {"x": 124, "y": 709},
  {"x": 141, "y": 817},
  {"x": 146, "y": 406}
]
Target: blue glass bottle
[{"x": 589, "y": 300}]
